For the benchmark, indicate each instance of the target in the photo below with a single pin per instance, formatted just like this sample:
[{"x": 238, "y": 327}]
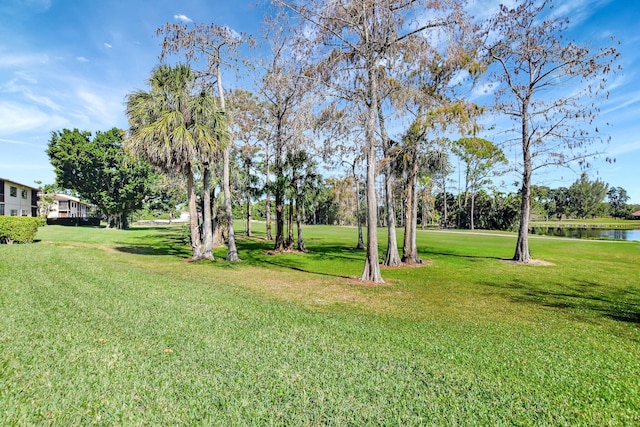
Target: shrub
[
  {"x": 93, "y": 221},
  {"x": 18, "y": 229}
]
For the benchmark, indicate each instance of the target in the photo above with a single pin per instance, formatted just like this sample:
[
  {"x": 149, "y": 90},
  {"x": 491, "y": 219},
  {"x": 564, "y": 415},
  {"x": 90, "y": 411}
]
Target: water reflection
[{"x": 587, "y": 233}]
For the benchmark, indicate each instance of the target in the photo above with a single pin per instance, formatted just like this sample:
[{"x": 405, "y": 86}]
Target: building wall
[
  {"x": 17, "y": 199},
  {"x": 68, "y": 207}
]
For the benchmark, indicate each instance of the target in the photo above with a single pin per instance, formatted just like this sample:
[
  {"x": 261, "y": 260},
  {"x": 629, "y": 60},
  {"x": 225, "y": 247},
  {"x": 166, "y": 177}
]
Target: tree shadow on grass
[
  {"x": 167, "y": 245},
  {"x": 257, "y": 251},
  {"x": 579, "y": 297},
  {"x": 427, "y": 252},
  {"x": 178, "y": 252}
]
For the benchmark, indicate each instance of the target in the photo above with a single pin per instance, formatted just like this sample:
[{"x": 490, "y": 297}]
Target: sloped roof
[
  {"x": 17, "y": 183},
  {"x": 636, "y": 213}
]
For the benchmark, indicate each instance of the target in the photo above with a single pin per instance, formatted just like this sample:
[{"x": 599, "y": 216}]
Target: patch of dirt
[{"x": 534, "y": 262}]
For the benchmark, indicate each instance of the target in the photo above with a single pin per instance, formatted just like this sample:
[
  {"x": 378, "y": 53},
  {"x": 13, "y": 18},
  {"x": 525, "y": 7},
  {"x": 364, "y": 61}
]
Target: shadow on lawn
[
  {"x": 255, "y": 251},
  {"x": 618, "y": 304},
  {"x": 171, "y": 243},
  {"x": 426, "y": 252}
]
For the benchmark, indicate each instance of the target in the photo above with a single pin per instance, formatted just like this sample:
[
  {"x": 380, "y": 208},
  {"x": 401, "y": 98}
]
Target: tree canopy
[{"x": 99, "y": 171}]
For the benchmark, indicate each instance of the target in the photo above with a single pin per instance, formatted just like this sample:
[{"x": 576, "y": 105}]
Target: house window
[
  {"x": 24, "y": 212},
  {"x": 14, "y": 212},
  {"x": 1, "y": 209},
  {"x": 13, "y": 191},
  {"x": 23, "y": 193}
]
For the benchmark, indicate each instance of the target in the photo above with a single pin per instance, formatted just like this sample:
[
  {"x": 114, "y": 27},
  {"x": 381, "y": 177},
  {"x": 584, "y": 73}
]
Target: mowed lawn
[{"x": 103, "y": 327}]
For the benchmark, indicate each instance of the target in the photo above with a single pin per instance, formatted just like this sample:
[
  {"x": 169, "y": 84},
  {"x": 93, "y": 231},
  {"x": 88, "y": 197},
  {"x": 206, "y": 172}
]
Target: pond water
[{"x": 587, "y": 233}]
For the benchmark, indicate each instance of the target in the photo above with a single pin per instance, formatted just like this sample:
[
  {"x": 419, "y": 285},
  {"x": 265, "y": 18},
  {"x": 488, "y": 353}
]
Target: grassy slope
[{"x": 112, "y": 327}]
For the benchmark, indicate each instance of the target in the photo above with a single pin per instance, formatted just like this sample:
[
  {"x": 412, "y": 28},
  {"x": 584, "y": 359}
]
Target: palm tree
[{"x": 176, "y": 128}]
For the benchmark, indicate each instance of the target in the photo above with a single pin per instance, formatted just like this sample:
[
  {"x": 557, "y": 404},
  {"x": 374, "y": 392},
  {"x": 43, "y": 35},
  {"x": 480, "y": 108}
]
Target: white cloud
[
  {"x": 108, "y": 46},
  {"x": 22, "y": 60},
  {"x": 183, "y": 18},
  {"x": 14, "y": 142},
  {"x": 98, "y": 109},
  {"x": 43, "y": 100},
  {"x": 81, "y": 59},
  {"x": 483, "y": 89},
  {"x": 18, "y": 118},
  {"x": 618, "y": 149}
]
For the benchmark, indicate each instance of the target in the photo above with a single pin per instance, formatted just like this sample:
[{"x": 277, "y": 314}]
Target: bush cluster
[
  {"x": 18, "y": 229},
  {"x": 94, "y": 222}
]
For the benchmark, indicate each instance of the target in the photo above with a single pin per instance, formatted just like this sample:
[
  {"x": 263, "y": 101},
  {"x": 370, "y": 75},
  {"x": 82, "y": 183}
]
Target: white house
[
  {"x": 68, "y": 207},
  {"x": 18, "y": 199}
]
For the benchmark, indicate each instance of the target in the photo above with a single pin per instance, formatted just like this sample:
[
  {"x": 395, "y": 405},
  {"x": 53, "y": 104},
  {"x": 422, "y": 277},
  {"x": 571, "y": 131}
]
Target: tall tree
[
  {"x": 545, "y": 81},
  {"x": 618, "y": 199},
  {"x": 480, "y": 158},
  {"x": 100, "y": 171},
  {"x": 174, "y": 126},
  {"x": 285, "y": 88},
  {"x": 167, "y": 193},
  {"x": 249, "y": 130},
  {"x": 218, "y": 47},
  {"x": 350, "y": 42},
  {"x": 586, "y": 196}
]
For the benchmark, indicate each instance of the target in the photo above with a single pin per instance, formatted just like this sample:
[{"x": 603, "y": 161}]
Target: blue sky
[{"x": 70, "y": 63}]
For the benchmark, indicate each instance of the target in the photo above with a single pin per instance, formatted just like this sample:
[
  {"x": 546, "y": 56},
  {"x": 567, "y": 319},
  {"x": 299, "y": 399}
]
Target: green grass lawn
[{"x": 104, "y": 327}]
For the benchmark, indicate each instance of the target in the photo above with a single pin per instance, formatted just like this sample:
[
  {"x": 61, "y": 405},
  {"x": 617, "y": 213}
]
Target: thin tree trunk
[
  {"x": 248, "y": 228},
  {"x": 196, "y": 244},
  {"x": 392, "y": 257},
  {"x": 232, "y": 252},
  {"x": 472, "y": 213},
  {"x": 444, "y": 201},
  {"x": 360, "y": 244},
  {"x": 207, "y": 232},
  {"x": 372, "y": 265},
  {"x": 269, "y": 236},
  {"x": 522, "y": 253},
  {"x": 279, "y": 192},
  {"x": 215, "y": 232},
  {"x": 289, "y": 243},
  {"x": 301, "y": 246},
  {"x": 424, "y": 210},
  {"x": 410, "y": 247}
]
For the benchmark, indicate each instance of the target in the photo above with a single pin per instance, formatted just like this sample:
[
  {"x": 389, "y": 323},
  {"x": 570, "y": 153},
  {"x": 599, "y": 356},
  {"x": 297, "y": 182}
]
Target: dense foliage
[
  {"x": 100, "y": 171},
  {"x": 18, "y": 229}
]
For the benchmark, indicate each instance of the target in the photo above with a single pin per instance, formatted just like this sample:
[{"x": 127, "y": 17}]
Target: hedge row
[
  {"x": 18, "y": 229},
  {"x": 95, "y": 222}
]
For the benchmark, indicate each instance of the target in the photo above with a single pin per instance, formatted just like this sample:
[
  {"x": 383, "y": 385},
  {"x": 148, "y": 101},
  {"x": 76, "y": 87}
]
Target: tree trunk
[
  {"x": 216, "y": 238},
  {"x": 301, "y": 246},
  {"x": 249, "y": 216},
  {"x": 267, "y": 207},
  {"x": 410, "y": 247},
  {"x": 444, "y": 202},
  {"x": 289, "y": 242},
  {"x": 279, "y": 241},
  {"x": 279, "y": 192},
  {"x": 372, "y": 265},
  {"x": 522, "y": 253},
  {"x": 207, "y": 232},
  {"x": 473, "y": 205},
  {"x": 360, "y": 244},
  {"x": 269, "y": 235},
  {"x": 392, "y": 257},
  {"x": 424, "y": 209},
  {"x": 196, "y": 244},
  {"x": 232, "y": 252}
]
